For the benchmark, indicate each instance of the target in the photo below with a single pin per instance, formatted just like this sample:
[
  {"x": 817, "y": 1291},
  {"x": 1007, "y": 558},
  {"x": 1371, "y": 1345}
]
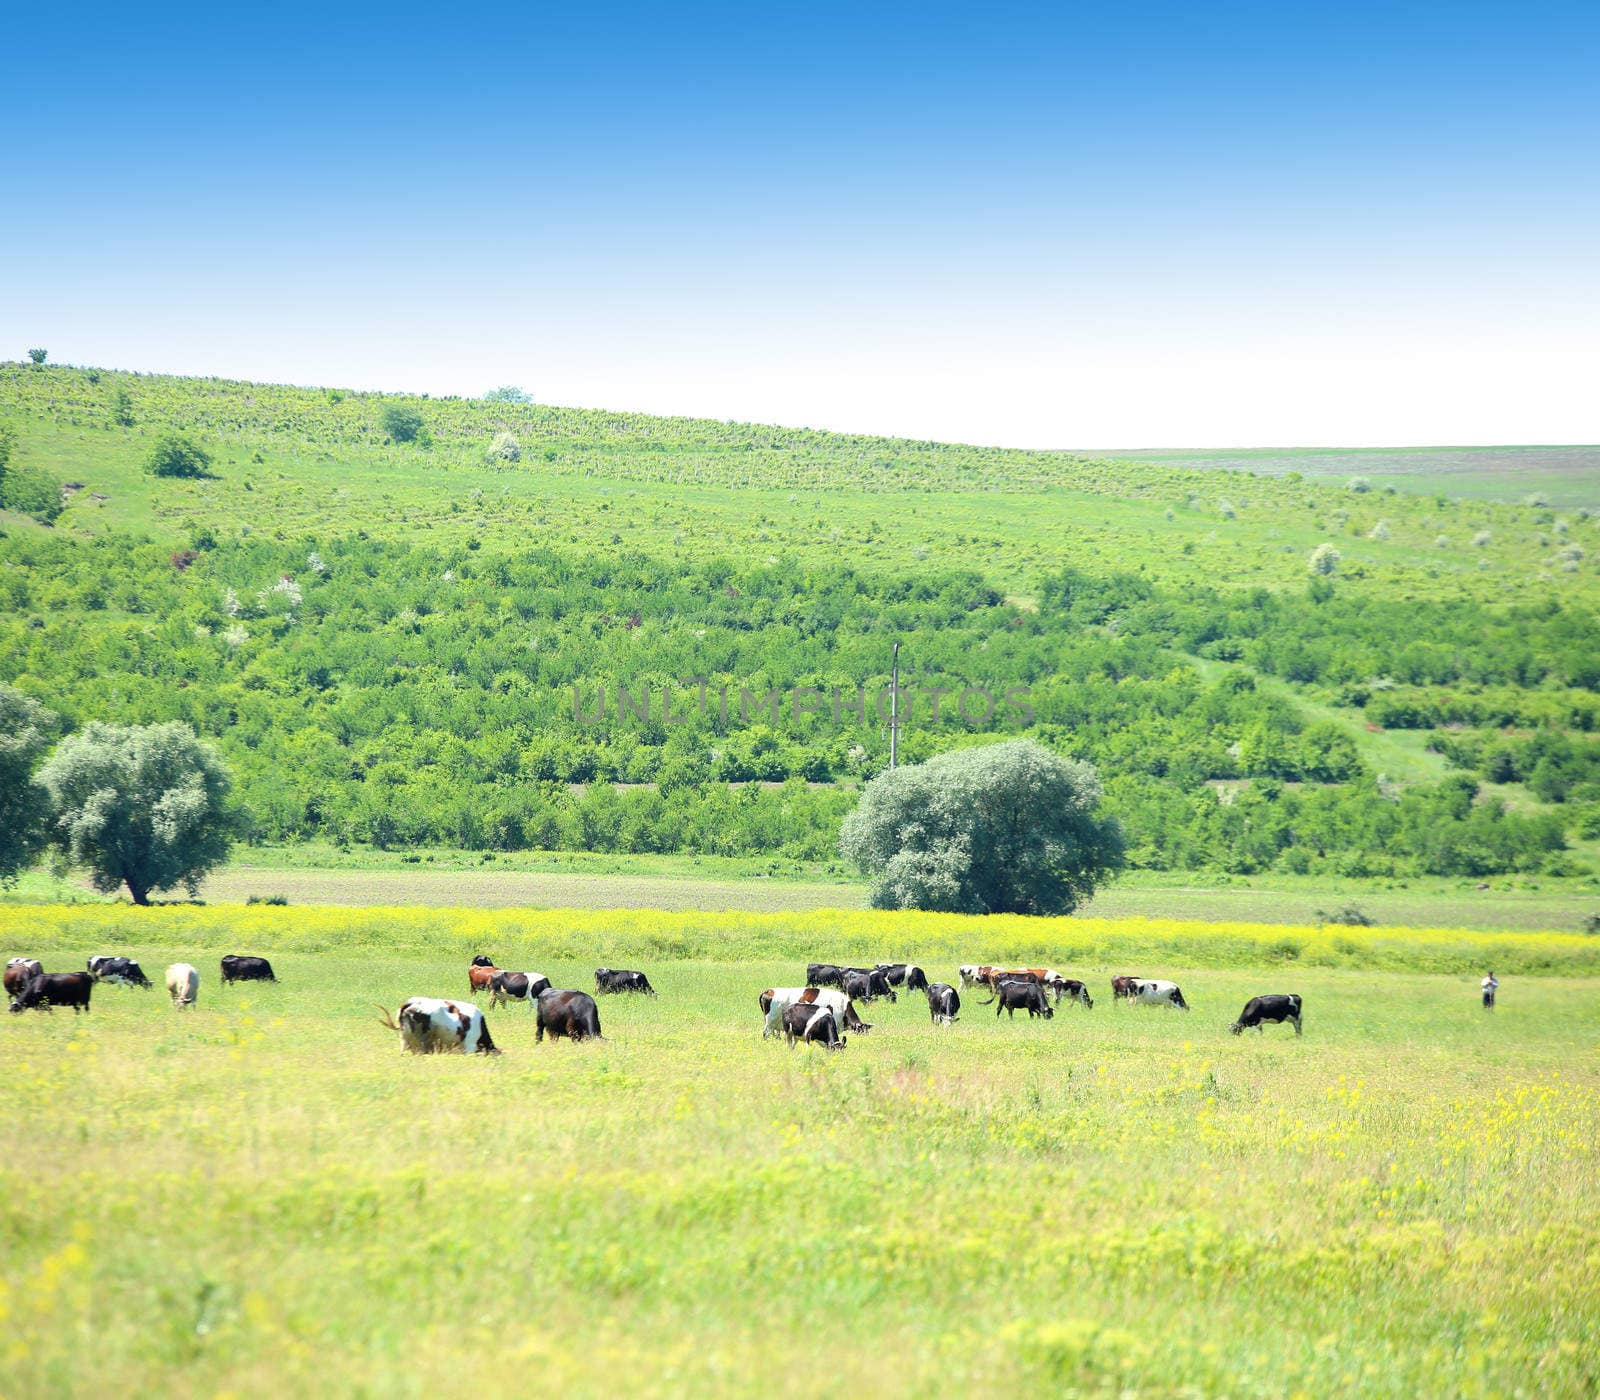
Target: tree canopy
[
  {"x": 26, "y": 729},
  {"x": 144, "y": 806},
  {"x": 1007, "y": 828}
]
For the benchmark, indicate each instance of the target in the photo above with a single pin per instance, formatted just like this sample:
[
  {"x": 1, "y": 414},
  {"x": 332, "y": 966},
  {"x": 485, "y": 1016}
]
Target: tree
[
  {"x": 504, "y": 448},
  {"x": 177, "y": 455},
  {"x": 1324, "y": 559},
  {"x": 122, "y": 408},
  {"x": 508, "y": 393},
  {"x": 1003, "y": 828},
  {"x": 8, "y": 444},
  {"x": 144, "y": 806},
  {"x": 25, "y": 730},
  {"x": 402, "y": 422},
  {"x": 38, "y": 356}
]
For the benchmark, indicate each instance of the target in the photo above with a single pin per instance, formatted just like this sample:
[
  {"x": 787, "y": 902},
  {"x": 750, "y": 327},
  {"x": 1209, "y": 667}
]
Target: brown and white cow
[
  {"x": 437, "y": 1026},
  {"x": 812, "y": 1024},
  {"x": 480, "y": 976},
  {"x": 1122, "y": 989},
  {"x": 776, "y": 1000},
  {"x": 19, "y": 972}
]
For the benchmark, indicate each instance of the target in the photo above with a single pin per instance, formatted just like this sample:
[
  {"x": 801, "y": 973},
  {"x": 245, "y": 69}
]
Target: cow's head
[
  {"x": 1237, "y": 1028},
  {"x": 482, "y": 961}
]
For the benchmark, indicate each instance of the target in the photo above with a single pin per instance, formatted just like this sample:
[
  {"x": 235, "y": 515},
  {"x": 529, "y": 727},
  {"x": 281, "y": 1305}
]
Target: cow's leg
[{"x": 1297, "y": 1025}]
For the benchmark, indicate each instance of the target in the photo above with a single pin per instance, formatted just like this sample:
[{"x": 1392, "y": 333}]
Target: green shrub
[
  {"x": 402, "y": 422},
  {"x": 176, "y": 454}
]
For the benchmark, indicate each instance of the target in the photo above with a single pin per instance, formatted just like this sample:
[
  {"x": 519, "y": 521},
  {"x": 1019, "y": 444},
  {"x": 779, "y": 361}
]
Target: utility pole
[{"x": 894, "y": 705}]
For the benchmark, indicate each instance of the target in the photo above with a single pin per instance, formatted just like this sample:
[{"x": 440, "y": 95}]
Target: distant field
[
  {"x": 1565, "y": 476},
  {"x": 1403, "y": 1202}
]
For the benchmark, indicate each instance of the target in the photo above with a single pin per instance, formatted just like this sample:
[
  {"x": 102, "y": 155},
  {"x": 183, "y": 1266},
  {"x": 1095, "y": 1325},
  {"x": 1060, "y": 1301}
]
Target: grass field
[{"x": 263, "y": 1197}]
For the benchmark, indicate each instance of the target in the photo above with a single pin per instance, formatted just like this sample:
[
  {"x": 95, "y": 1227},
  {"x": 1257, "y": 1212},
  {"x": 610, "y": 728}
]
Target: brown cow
[
  {"x": 480, "y": 976},
  {"x": 19, "y": 972}
]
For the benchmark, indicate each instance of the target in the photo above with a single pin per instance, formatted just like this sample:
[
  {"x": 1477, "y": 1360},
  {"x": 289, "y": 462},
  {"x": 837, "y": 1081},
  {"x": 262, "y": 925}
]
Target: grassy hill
[{"x": 384, "y": 636}]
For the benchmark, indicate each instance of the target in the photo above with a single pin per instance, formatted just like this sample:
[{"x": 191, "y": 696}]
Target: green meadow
[{"x": 264, "y": 1197}]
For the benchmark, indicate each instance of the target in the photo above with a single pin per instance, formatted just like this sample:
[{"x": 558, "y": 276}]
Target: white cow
[
  {"x": 183, "y": 984},
  {"x": 434, "y": 1026},
  {"x": 1144, "y": 992},
  {"x": 776, "y": 1000}
]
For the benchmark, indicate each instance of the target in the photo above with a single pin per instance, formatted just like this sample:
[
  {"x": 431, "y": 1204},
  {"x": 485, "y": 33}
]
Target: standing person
[{"x": 1490, "y": 984}]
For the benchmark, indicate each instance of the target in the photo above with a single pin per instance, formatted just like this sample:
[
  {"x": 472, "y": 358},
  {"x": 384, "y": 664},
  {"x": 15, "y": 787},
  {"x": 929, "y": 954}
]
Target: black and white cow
[
  {"x": 517, "y": 986},
  {"x": 246, "y": 969},
  {"x": 824, "y": 975},
  {"x": 435, "y": 1026},
  {"x": 774, "y": 1001},
  {"x": 1072, "y": 990},
  {"x": 48, "y": 990},
  {"x": 1276, "y": 1007},
  {"x": 867, "y": 984},
  {"x": 943, "y": 1003},
  {"x": 907, "y": 975},
  {"x": 608, "y": 980},
  {"x": 1014, "y": 996},
  {"x": 124, "y": 972},
  {"x": 568, "y": 1013},
  {"x": 813, "y": 1024},
  {"x": 1149, "y": 992}
]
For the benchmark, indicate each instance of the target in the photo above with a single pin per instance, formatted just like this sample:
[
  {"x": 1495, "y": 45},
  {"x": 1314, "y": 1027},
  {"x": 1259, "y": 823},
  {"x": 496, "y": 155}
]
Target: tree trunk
[{"x": 139, "y": 890}]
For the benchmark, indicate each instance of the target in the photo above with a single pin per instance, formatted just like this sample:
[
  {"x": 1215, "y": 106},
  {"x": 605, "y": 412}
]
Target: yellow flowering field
[{"x": 264, "y": 1197}]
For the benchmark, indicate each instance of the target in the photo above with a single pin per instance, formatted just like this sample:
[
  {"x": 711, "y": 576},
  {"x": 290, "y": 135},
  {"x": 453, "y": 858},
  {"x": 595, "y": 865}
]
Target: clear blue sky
[{"x": 1106, "y": 225}]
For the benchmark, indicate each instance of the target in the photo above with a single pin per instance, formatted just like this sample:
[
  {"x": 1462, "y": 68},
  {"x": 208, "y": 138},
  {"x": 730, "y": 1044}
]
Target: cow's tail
[{"x": 387, "y": 1019}]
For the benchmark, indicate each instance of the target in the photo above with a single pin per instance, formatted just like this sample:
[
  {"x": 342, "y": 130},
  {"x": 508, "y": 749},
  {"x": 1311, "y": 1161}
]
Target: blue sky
[{"x": 1035, "y": 225}]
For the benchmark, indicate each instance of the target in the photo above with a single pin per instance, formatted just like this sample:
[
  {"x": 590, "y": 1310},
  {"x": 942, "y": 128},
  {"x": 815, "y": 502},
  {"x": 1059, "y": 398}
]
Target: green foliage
[
  {"x": 122, "y": 408},
  {"x": 26, "y": 728},
  {"x": 402, "y": 422},
  {"x": 1324, "y": 559},
  {"x": 177, "y": 455},
  {"x": 141, "y": 806},
  {"x": 1005, "y": 828},
  {"x": 508, "y": 393},
  {"x": 26, "y": 490},
  {"x": 38, "y": 356}
]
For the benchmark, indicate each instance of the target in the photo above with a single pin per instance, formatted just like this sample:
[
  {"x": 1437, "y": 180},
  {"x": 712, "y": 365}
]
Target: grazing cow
[
  {"x": 814, "y": 1025},
  {"x": 908, "y": 975},
  {"x": 864, "y": 986},
  {"x": 124, "y": 972},
  {"x": 48, "y": 990},
  {"x": 1018, "y": 995},
  {"x": 607, "y": 980},
  {"x": 237, "y": 969},
  {"x": 572, "y": 1014},
  {"x": 969, "y": 974},
  {"x": 1073, "y": 990},
  {"x": 480, "y": 976},
  {"x": 1122, "y": 989},
  {"x": 824, "y": 975},
  {"x": 1258, "y": 1010},
  {"x": 19, "y": 972},
  {"x": 943, "y": 1002},
  {"x": 483, "y": 960},
  {"x": 776, "y": 1000},
  {"x": 1152, "y": 993},
  {"x": 517, "y": 986},
  {"x": 183, "y": 984},
  {"x": 434, "y": 1026}
]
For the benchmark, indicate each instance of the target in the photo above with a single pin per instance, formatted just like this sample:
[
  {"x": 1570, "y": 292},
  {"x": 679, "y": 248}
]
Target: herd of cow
[
  {"x": 825, "y": 1008},
  {"x": 819, "y": 1013}
]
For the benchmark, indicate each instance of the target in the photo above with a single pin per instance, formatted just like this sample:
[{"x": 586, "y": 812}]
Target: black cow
[
  {"x": 570, "y": 1014},
  {"x": 517, "y": 986},
  {"x": 245, "y": 969},
  {"x": 609, "y": 980},
  {"x": 1013, "y": 996},
  {"x": 19, "y": 972},
  {"x": 867, "y": 984},
  {"x": 813, "y": 1024},
  {"x": 824, "y": 975},
  {"x": 908, "y": 975},
  {"x": 49, "y": 990},
  {"x": 482, "y": 960},
  {"x": 943, "y": 1002},
  {"x": 123, "y": 971},
  {"x": 1279, "y": 1008}
]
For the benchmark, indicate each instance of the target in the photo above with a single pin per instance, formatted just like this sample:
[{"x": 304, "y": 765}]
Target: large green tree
[
  {"x": 26, "y": 728},
  {"x": 1007, "y": 828},
  {"x": 144, "y": 806}
]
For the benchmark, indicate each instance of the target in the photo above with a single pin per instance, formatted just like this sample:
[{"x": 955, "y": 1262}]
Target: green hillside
[{"x": 384, "y": 637}]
